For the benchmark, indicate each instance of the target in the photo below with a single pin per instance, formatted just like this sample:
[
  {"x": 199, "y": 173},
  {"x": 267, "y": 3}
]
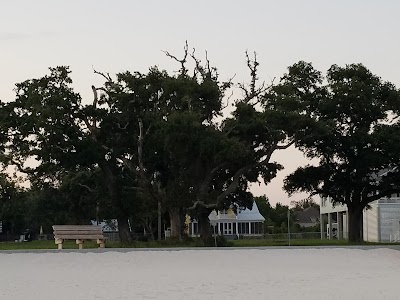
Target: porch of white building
[
  {"x": 333, "y": 220},
  {"x": 244, "y": 223},
  {"x": 334, "y": 225},
  {"x": 230, "y": 229}
]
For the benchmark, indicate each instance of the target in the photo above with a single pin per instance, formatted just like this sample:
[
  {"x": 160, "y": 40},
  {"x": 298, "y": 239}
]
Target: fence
[
  {"x": 112, "y": 236},
  {"x": 293, "y": 236}
]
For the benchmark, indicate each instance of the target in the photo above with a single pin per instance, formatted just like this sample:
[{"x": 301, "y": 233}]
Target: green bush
[{"x": 220, "y": 240}]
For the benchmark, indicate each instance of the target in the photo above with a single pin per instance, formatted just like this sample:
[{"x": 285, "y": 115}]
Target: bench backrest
[{"x": 77, "y": 232}]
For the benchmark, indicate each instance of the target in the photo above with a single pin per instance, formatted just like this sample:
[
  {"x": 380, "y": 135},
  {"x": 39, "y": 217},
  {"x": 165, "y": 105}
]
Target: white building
[
  {"x": 381, "y": 222},
  {"x": 246, "y": 223}
]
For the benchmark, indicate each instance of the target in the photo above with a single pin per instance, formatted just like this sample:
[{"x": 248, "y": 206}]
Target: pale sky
[{"x": 119, "y": 35}]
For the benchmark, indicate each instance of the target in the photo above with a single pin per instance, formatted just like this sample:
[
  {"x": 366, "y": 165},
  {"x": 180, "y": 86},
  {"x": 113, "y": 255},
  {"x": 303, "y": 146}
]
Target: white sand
[{"x": 203, "y": 274}]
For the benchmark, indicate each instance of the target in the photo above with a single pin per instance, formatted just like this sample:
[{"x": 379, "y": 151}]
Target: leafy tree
[
  {"x": 241, "y": 152},
  {"x": 275, "y": 217},
  {"x": 47, "y": 122},
  {"x": 153, "y": 138},
  {"x": 12, "y": 206},
  {"x": 183, "y": 157},
  {"x": 351, "y": 125},
  {"x": 304, "y": 204}
]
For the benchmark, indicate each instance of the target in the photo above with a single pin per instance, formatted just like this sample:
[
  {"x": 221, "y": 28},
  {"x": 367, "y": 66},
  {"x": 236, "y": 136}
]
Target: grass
[
  {"x": 49, "y": 244},
  {"x": 33, "y": 245},
  {"x": 190, "y": 243}
]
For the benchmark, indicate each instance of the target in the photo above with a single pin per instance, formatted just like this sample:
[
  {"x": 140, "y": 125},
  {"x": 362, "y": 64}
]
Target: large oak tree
[{"x": 351, "y": 126}]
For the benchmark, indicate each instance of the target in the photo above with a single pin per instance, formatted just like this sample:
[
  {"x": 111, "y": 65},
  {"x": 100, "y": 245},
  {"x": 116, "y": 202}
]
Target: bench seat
[{"x": 80, "y": 233}]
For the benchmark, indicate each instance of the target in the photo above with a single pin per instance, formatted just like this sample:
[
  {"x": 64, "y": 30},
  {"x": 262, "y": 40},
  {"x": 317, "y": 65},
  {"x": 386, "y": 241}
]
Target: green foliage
[
  {"x": 275, "y": 217},
  {"x": 350, "y": 124},
  {"x": 304, "y": 204},
  {"x": 159, "y": 137},
  {"x": 219, "y": 241},
  {"x": 12, "y": 206}
]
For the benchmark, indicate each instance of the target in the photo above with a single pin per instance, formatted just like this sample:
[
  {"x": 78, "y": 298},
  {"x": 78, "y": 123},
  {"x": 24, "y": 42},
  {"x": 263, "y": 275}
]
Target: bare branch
[
  {"x": 202, "y": 204},
  {"x": 124, "y": 127},
  {"x": 251, "y": 91},
  {"x": 140, "y": 149},
  {"x": 198, "y": 68},
  {"x": 235, "y": 182},
  {"x": 128, "y": 163},
  {"x": 105, "y": 76},
  {"x": 282, "y": 147},
  {"x": 86, "y": 187},
  {"x": 102, "y": 89},
  {"x": 227, "y": 101},
  {"x": 182, "y": 61},
  {"x": 208, "y": 64},
  {"x": 135, "y": 188},
  {"x": 20, "y": 166},
  {"x": 148, "y": 130},
  {"x": 95, "y": 96},
  {"x": 90, "y": 127},
  {"x": 61, "y": 148},
  {"x": 206, "y": 182},
  {"x": 230, "y": 130}
]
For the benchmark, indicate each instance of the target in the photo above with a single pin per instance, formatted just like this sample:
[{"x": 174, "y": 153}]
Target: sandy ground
[{"x": 203, "y": 274}]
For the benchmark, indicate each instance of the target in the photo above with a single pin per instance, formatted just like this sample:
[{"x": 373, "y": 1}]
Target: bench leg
[
  {"x": 101, "y": 243},
  {"x": 59, "y": 243},
  {"x": 80, "y": 243}
]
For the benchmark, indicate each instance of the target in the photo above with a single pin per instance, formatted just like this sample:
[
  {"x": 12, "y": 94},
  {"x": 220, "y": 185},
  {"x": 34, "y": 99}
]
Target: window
[
  {"x": 256, "y": 228},
  {"x": 243, "y": 228},
  {"x": 227, "y": 228}
]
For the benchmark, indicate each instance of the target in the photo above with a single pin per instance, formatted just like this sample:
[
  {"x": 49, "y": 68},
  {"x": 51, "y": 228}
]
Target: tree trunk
[
  {"x": 204, "y": 226},
  {"x": 176, "y": 224},
  {"x": 148, "y": 227},
  {"x": 355, "y": 215},
  {"x": 159, "y": 222},
  {"x": 123, "y": 230},
  {"x": 119, "y": 211}
]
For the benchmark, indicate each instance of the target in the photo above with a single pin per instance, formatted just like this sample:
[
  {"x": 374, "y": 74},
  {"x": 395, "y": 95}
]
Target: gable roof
[
  {"x": 249, "y": 215},
  {"x": 308, "y": 215},
  {"x": 252, "y": 214}
]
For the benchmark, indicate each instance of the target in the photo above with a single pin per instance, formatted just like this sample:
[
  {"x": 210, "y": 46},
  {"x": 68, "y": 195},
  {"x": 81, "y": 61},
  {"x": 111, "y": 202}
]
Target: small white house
[
  {"x": 246, "y": 223},
  {"x": 381, "y": 222}
]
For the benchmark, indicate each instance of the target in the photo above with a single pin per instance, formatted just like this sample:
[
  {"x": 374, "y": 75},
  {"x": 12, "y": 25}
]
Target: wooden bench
[{"x": 80, "y": 233}]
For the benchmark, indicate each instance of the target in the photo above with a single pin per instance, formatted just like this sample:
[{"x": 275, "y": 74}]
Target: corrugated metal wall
[
  {"x": 389, "y": 216},
  {"x": 371, "y": 224}
]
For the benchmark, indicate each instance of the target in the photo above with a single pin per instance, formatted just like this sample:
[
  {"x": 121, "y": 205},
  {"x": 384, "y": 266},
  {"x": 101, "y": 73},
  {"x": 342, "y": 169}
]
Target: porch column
[
  {"x": 237, "y": 229},
  {"x": 339, "y": 218},
  {"x": 249, "y": 227},
  {"x": 321, "y": 226},
  {"x": 219, "y": 228},
  {"x": 330, "y": 225}
]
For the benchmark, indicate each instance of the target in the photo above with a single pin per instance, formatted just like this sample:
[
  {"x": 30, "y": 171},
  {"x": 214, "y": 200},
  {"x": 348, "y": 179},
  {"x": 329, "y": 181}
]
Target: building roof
[
  {"x": 308, "y": 215},
  {"x": 250, "y": 215}
]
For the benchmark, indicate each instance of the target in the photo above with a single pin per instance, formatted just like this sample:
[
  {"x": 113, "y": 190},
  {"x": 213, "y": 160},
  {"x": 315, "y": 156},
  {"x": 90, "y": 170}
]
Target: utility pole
[
  {"x": 288, "y": 224},
  {"x": 159, "y": 221}
]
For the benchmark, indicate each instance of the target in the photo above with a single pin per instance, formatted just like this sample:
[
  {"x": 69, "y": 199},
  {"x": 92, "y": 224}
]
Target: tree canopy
[
  {"x": 160, "y": 142},
  {"x": 352, "y": 128}
]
